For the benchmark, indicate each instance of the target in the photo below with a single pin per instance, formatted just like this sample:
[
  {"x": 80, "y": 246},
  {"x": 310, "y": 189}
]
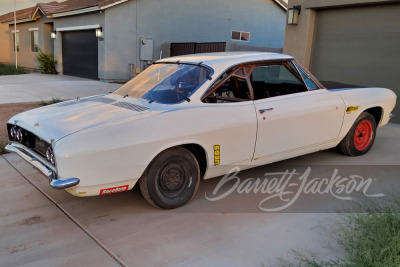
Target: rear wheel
[
  {"x": 172, "y": 179},
  {"x": 361, "y": 136}
]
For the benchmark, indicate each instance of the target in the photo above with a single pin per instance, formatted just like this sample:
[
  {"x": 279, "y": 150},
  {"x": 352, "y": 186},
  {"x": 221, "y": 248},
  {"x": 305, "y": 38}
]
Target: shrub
[
  {"x": 370, "y": 238},
  {"x": 6, "y": 69},
  {"x": 47, "y": 63},
  {"x": 3, "y": 147},
  {"x": 51, "y": 102}
]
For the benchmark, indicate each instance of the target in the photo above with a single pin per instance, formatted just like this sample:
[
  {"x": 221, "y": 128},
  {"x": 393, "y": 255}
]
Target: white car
[{"x": 192, "y": 117}]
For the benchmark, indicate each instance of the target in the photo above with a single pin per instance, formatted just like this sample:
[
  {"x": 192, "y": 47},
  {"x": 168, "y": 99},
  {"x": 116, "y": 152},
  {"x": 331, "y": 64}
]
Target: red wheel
[{"x": 361, "y": 136}]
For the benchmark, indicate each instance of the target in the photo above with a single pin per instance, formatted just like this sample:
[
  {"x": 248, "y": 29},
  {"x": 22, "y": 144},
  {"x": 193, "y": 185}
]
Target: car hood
[{"x": 59, "y": 120}]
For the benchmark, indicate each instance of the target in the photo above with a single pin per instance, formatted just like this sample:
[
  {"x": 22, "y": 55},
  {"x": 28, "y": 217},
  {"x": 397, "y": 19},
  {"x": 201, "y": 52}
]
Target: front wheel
[
  {"x": 361, "y": 136},
  {"x": 172, "y": 179}
]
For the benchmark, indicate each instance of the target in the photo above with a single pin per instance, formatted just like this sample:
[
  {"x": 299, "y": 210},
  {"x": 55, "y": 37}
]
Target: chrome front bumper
[{"x": 43, "y": 167}]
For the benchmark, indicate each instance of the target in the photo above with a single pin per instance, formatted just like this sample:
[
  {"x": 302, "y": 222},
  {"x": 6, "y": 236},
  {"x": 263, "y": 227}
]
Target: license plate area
[{"x": 41, "y": 146}]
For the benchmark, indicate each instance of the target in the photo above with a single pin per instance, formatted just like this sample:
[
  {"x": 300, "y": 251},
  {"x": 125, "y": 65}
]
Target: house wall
[
  {"x": 177, "y": 21},
  {"x": 120, "y": 39},
  {"x": 73, "y": 21},
  {"x": 164, "y": 22},
  {"x": 27, "y": 58},
  {"x": 4, "y": 44}
]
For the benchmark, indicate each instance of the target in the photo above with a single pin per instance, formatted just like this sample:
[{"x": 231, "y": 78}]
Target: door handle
[{"x": 263, "y": 110}]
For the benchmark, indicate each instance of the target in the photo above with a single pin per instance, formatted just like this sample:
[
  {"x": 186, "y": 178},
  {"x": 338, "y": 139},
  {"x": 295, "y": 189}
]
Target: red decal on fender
[{"x": 114, "y": 190}]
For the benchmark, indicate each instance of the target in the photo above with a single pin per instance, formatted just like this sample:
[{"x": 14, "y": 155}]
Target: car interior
[{"x": 266, "y": 81}]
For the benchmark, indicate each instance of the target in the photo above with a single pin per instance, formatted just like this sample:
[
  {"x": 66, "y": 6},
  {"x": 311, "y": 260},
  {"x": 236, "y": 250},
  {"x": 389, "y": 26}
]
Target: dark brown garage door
[
  {"x": 80, "y": 54},
  {"x": 359, "y": 45},
  {"x": 178, "y": 49}
]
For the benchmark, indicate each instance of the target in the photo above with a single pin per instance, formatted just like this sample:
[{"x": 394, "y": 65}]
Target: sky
[{"x": 8, "y": 5}]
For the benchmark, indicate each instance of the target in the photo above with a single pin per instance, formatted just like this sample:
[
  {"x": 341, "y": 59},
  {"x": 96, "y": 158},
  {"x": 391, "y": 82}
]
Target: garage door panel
[
  {"x": 80, "y": 54},
  {"x": 358, "y": 45}
]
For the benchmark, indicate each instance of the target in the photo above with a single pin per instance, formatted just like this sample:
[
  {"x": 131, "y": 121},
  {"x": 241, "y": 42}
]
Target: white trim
[
  {"x": 14, "y": 31},
  {"x": 77, "y": 28},
  {"x": 35, "y": 13},
  {"x": 279, "y": 3},
  {"x": 33, "y": 29},
  {"x": 114, "y": 4},
  {"x": 74, "y": 12}
]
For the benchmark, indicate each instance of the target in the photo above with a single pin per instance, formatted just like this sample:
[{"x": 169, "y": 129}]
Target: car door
[{"x": 290, "y": 116}]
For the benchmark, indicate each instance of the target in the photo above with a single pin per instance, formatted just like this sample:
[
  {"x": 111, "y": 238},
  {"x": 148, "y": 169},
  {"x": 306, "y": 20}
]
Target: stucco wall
[
  {"x": 164, "y": 22},
  {"x": 177, "y": 21},
  {"x": 27, "y": 58},
  {"x": 211, "y": 21},
  {"x": 4, "y": 44},
  {"x": 120, "y": 41}
]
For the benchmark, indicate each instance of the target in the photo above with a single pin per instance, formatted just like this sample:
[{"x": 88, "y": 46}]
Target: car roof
[{"x": 221, "y": 59}]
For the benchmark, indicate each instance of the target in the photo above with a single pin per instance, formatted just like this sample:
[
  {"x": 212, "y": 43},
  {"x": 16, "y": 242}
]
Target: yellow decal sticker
[
  {"x": 82, "y": 193},
  {"x": 351, "y": 109},
  {"x": 217, "y": 155}
]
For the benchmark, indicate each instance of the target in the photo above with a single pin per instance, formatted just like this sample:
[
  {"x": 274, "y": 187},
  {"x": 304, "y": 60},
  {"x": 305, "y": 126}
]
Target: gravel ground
[{"x": 9, "y": 110}]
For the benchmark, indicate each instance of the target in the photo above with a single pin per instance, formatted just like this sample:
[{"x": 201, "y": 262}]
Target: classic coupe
[{"x": 191, "y": 117}]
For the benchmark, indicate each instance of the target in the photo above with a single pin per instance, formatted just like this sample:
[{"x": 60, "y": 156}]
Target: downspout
[{"x": 15, "y": 34}]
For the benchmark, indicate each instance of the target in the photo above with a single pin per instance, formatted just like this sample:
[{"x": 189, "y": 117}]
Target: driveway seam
[{"x": 91, "y": 236}]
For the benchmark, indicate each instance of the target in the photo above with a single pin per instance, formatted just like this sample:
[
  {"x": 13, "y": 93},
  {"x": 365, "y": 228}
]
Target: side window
[
  {"x": 275, "y": 80},
  {"x": 34, "y": 41},
  {"x": 230, "y": 87},
  {"x": 310, "y": 84}
]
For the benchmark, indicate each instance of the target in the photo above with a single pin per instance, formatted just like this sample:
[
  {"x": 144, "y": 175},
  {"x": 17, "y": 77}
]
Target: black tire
[
  {"x": 350, "y": 145},
  {"x": 171, "y": 179}
]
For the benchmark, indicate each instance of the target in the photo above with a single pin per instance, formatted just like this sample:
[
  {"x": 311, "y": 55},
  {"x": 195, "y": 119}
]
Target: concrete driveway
[
  {"x": 36, "y": 87},
  {"x": 40, "y": 226}
]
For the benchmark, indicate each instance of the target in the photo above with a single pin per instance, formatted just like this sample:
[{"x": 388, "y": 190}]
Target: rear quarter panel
[{"x": 366, "y": 98}]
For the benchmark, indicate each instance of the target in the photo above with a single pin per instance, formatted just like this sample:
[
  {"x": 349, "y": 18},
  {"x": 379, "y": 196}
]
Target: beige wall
[
  {"x": 4, "y": 44},
  {"x": 298, "y": 38},
  {"x": 27, "y": 58}
]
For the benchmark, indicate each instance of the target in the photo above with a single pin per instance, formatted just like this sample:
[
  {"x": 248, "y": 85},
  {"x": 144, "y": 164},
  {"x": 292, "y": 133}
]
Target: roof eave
[
  {"x": 74, "y": 12},
  {"x": 19, "y": 21},
  {"x": 281, "y": 5},
  {"x": 85, "y": 10},
  {"x": 113, "y": 4}
]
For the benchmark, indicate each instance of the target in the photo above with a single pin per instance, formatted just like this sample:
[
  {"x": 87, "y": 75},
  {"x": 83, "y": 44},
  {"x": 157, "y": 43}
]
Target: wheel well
[
  {"x": 376, "y": 112},
  {"x": 200, "y": 155}
]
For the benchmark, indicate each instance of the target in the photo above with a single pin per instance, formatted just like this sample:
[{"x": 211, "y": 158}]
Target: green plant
[
  {"x": 3, "y": 147},
  {"x": 51, "y": 102},
  {"x": 47, "y": 63},
  {"x": 6, "y": 69},
  {"x": 370, "y": 237}
]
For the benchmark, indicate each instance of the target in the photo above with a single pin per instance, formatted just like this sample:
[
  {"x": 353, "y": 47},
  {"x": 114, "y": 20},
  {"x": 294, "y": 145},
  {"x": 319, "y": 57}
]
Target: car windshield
[{"x": 165, "y": 83}]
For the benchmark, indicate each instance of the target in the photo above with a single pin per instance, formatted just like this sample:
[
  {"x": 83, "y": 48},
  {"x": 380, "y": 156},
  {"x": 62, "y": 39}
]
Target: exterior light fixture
[
  {"x": 293, "y": 15},
  {"x": 53, "y": 34},
  {"x": 99, "y": 32}
]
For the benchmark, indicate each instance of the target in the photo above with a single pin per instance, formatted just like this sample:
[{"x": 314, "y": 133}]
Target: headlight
[
  {"x": 13, "y": 133},
  {"x": 50, "y": 155},
  {"x": 19, "y": 135}
]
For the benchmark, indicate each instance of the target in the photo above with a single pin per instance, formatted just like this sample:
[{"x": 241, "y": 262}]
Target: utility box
[{"x": 146, "y": 49}]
